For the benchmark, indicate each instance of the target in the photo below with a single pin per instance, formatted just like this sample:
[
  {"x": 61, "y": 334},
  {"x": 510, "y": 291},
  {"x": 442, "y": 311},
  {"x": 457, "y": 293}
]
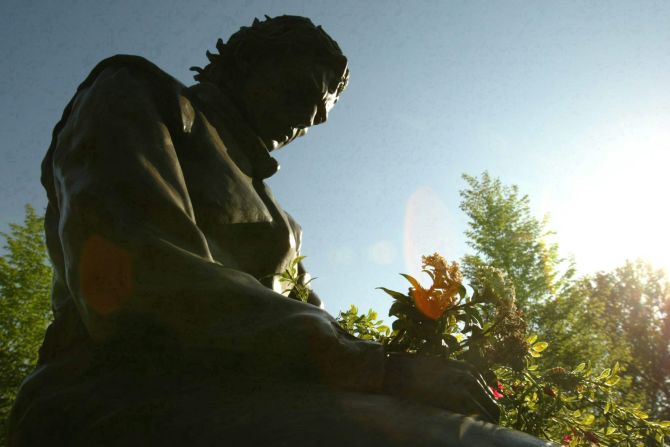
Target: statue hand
[{"x": 449, "y": 384}]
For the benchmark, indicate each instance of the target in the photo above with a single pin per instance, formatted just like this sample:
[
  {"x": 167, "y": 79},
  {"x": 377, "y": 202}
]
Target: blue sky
[{"x": 569, "y": 100}]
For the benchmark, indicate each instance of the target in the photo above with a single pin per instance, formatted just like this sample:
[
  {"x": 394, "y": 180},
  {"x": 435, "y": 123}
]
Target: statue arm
[{"x": 132, "y": 248}]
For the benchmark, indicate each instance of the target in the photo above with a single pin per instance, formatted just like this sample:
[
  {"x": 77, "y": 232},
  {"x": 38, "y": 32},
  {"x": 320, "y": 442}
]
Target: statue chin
[{"x": 285, "y": 140}]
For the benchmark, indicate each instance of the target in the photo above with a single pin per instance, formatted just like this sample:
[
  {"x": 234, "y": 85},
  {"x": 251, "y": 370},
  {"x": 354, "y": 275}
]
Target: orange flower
[
  {"x": 431, "y": 302},
  {"x": 435, "y": 301},
  {"x": 426, "y": 304}
]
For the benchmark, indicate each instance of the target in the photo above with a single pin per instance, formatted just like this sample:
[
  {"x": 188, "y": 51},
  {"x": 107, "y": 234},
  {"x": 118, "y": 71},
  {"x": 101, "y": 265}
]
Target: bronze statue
[{"x": 170, "y": 328}]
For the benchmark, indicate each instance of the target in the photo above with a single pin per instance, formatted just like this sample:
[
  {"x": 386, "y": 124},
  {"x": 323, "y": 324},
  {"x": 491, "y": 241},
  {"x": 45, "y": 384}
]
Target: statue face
[{"x": 282, "y": 99}]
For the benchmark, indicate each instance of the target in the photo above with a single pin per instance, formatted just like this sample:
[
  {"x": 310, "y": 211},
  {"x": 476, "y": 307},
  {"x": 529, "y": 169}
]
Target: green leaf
[
  {"x": 415, "y": 284},
  {"x": 606, "y": 373},
  {"x": 540, "y": 346},
  {"x": 612, "y": 381},
  {"x": 462, "y": 291},
  {"x": 531, "y": 339},
  {"x": 609, "y": 431},
  {"x": 588, "y": 419},
  {"x": 399, "y": 309},
  {"x": 451, "y": 341},
  {"x": 641, "y": 414},
  {"x": 581, "y": 367},
  {"x": 310, "y": 280},
  {"x": 394, "y": 294},
  {"x": 659, "y": 437},
  {"x": 476, "y": 297},
  {"x": 474, "y": 313}
]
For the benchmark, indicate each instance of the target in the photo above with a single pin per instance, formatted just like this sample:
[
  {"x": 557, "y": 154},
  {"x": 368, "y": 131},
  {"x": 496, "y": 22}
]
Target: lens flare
[{"x": 427, "y": 228}]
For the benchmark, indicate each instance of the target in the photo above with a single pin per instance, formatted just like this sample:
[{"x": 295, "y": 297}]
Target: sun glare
[{"x": 619, "y": 210}]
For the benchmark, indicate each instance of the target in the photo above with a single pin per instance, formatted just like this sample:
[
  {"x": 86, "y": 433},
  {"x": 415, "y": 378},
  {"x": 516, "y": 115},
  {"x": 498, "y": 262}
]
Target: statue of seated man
[{"x": 170, "y": 327}]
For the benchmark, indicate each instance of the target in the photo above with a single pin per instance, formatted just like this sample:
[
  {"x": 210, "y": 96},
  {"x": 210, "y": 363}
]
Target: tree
[
  {"x": 636, "y": 302},
  {"x": 620, "y": 316},
  {"x": 25, "y": 311},
  {"x": 505, "y": 235},
  {"x": 575, "y": 323}
]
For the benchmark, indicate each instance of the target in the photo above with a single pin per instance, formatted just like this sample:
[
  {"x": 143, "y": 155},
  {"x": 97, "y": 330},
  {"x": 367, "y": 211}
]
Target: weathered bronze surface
[{"x": 170, "y": 328}]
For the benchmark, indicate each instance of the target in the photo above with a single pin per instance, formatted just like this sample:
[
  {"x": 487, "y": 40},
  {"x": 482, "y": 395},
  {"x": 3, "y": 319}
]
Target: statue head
[{"x": 284, "y": 73}]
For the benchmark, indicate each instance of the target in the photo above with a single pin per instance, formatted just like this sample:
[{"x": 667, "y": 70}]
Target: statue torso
[
  {"x": 219, "y": 158},
  {"x": 245, "y": 227}
]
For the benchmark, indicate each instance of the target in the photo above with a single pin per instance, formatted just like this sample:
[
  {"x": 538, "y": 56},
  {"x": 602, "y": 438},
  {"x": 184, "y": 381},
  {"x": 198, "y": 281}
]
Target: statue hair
[{"x": 291, "y": 36}]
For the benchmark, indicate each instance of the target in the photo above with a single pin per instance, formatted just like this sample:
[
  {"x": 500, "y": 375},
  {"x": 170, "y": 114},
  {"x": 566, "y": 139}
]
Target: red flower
[
  {"x": 497, "y": 392},
  {"x": 567, "y": 439}
]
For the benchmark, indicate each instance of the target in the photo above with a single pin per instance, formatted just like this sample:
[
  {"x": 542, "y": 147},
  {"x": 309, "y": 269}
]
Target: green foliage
[
  {"x": 621, "y": 316},
  {"x": 632, "y": 307},
  {"x": 364, "y": 326},
  {"x": 454, "y": 324},
  {"x": 504, "y": 235},
  {"x": 294, "y": 282},
  {"x": 577, "y": 406},
  {"x": 25, "y": 311},
  {"x": 616, "y": 324},
  {"x": 579, "y": 327}
]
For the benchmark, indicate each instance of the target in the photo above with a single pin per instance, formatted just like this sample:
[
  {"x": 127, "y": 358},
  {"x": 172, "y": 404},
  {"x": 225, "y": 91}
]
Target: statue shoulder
[
  {"x": 112, "y": 78},
  {"x": 143, "y": 72}
]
